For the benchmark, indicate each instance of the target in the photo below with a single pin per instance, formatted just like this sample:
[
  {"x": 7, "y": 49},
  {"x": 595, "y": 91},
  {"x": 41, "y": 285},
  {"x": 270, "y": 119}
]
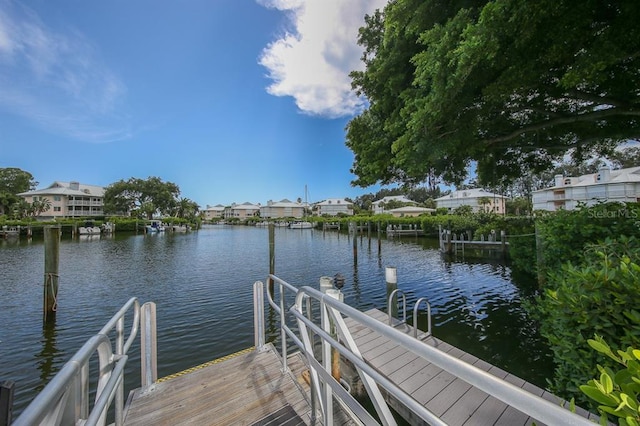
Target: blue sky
[{"x": 232, "y": 100}]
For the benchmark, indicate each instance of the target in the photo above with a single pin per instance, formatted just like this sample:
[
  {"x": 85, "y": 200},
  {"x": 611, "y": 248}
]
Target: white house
[
  {"x": 607, "y": 185},
  {"x": 477, "y": 198},
  {"x": 69, "y": 199},
  {"x": 410, "y": 211},
  {"x": 333, "y": 207},
  {"x": 378, "y": 206}
]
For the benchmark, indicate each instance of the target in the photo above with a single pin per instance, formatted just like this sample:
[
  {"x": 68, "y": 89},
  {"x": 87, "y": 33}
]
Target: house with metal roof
[
  {"x": 282, "y": 209},
  {"x": 68, "y": 199},
  {"x": 606, "y": 185},
  {"x": 479, "y": 200},
  {"x": 333, "y": 207},
  {"x": 242, "y": 211},
  {"x": 214, "y": 212},
  {"x": 410, "y": 211},
  {"x": 378, "y": 206}
]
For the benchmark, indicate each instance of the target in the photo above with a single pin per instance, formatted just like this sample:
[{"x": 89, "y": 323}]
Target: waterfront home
[
  {"x": 282, "y": 209},
  {"x": 242, "y": 211},
  {"x": 479, "y": 200},
  {"x": 68, "y": 199},
  {"x": 214, "y": 212},
  {"x": 334, "y": 207},
  {"x": 607, "y": 185},
  {"x": 410, "y": 211},
  {"x": 378, "y": 206}
]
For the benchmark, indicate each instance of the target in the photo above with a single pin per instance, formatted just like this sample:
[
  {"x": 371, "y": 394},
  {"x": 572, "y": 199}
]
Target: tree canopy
[
  {"x": 12, "y": 182},
  {"x": 143, "y": 197},
  {"x": 510, "y": 84}
]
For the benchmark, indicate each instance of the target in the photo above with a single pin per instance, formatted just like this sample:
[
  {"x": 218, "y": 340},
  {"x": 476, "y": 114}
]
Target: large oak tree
[
  {"x": 511, "y": 84},
  {"x": 144, "y": 197}
]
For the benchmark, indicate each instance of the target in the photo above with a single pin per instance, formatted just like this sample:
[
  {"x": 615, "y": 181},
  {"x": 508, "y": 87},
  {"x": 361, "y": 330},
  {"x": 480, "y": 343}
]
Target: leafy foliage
[
  {"x": 598, "y": 295},
  {"x": 511, "y": 84},
  {"x": 12, "y": 182},
  {"x": 616, "y": 392},
  {"x": 144, "y": 197}
]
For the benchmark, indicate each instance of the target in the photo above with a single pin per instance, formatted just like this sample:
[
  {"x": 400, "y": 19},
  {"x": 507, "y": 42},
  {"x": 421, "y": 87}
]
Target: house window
[
  {"x": 57, "y": 209},
  {"x": 567, "y": 181},
  {"x": 56, "y": 198}
]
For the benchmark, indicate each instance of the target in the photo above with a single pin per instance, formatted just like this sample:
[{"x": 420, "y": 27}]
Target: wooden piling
[
  {"x": 272, "y": 256},
  {"x": 6, "y": 402},
  {"x": 51, "y": 263},
  {"x": 353, "y": 228}
]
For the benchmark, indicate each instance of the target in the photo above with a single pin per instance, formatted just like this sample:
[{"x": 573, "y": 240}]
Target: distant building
[
  {"x": 607, "y": 185},
  {"x": 334, "y": 207},
  {"x": 282, "y": 209},
  {"x": 242, "y": 211},
  {"x": 69, "y": 199},
  {"x": 477, "y": 198},
  {"x": 378, "y": 206},
  {"x": 410, "y": 211},
  {"x": 214, "y": 212}
]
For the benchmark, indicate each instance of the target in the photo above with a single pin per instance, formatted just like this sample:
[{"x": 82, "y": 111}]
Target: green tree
[
  {"x": 146, "y": 196},
  {"x": 39, "y": 206},
  {"x": 12, "y": 182},
  {"x": 511, "y": 84}
]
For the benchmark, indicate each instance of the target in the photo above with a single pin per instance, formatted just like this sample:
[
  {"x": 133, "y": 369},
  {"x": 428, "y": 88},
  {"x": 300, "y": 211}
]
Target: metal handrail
[
  {"x": 404, "y": 305},
  {"x": 528, "y": 403},
  {"x": 65, "y": 399},
  {"x": 415, "y": 316}
]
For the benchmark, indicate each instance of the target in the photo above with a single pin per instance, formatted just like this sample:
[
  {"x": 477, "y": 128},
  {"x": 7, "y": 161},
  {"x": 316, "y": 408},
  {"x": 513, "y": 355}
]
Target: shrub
[
  {"x": 616, "y": 392},
  {"x": 596, "y": 296}
]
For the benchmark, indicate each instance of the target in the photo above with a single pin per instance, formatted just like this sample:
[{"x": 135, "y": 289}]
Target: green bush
[
  {"x": 598, "y": 295},
  {"x": 616, "y": 392}
]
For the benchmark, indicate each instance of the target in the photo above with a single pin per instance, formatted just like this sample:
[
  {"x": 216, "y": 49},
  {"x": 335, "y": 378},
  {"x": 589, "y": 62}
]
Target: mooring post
[
  {"x": 503, "y": 242},
  {"x": 353, "y": 227},
  {"x": 391, "y": 277},
  {"x": 51, "y": 262},
  {"x": 6, "y": 402},
  {"x": 272, "y": 256},
  {"x": 540, "y": 267}
]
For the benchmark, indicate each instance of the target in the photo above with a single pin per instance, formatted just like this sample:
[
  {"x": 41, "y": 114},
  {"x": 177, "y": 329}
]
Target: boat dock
[
  {"x": 246, "y": 388},
  {"x": 455, "y": 401},
  {"x": 451, "y": 243},
  {"x": 425, "y": 380}
]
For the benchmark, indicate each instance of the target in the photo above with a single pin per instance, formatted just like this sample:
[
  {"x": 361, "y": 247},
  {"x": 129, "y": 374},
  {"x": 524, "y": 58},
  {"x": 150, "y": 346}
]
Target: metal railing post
[
  {"x": 415, "y": 316},
  {"x": 258, "y": 315},
  {"x": 148, "y": 345}
]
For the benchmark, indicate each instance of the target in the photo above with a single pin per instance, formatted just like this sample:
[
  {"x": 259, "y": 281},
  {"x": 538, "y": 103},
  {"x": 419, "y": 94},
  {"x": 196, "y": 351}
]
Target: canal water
[{"x": 202, "y": 285}]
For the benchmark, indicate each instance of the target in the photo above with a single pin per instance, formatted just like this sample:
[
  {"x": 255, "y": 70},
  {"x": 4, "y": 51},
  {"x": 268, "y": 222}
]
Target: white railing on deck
[
  {"x": 65, "y": 399},
  {"x": 333, "y": 333}
]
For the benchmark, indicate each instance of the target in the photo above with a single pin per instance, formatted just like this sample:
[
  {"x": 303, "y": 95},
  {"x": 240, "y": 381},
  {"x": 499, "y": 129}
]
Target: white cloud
[
  {"x": 56, "y": 79},
  {"x": 312, "y": 62}
]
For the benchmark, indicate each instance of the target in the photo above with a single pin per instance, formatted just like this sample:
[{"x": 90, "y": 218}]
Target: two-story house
[
  {"x": 69, "y": 199},
  {"x": 282, "y": 209},
  {"x": 607, "y": 185},
  {"x": 334, "y": 207},
  {"x": 477, "y": 198}
]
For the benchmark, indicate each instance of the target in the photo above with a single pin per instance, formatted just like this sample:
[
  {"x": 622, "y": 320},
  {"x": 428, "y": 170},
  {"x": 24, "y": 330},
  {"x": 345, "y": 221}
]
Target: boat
[
  {"x": 89, "y": 229},
  {"x": 155, "y": 226},
  {"x": 300, "y": 224}
]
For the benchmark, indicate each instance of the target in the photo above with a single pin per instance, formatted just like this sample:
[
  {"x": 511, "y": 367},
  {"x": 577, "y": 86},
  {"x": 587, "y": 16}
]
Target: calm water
[{"x": 202, "y": 283}]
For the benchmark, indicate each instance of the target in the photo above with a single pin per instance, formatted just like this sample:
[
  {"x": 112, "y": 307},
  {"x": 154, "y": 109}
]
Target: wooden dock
[
  {"x": 248, "y": 388},
  {"x": 453, "y": 399}
]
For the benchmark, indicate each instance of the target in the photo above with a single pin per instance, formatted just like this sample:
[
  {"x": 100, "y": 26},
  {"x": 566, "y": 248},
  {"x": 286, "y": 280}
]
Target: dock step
[{"x": 286, "y": 416}]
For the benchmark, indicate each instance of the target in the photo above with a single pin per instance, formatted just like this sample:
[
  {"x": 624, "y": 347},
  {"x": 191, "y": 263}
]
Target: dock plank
[{"x": 457, "y": 402}]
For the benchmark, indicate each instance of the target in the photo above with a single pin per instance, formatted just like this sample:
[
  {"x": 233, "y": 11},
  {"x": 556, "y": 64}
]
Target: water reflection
[{"x": 48, "y": 359}]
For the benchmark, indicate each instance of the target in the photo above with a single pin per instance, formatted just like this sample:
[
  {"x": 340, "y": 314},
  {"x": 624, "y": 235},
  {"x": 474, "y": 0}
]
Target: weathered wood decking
[
  {"x": 457, "y": 402},
  {"x": 247, "y": 389}
]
